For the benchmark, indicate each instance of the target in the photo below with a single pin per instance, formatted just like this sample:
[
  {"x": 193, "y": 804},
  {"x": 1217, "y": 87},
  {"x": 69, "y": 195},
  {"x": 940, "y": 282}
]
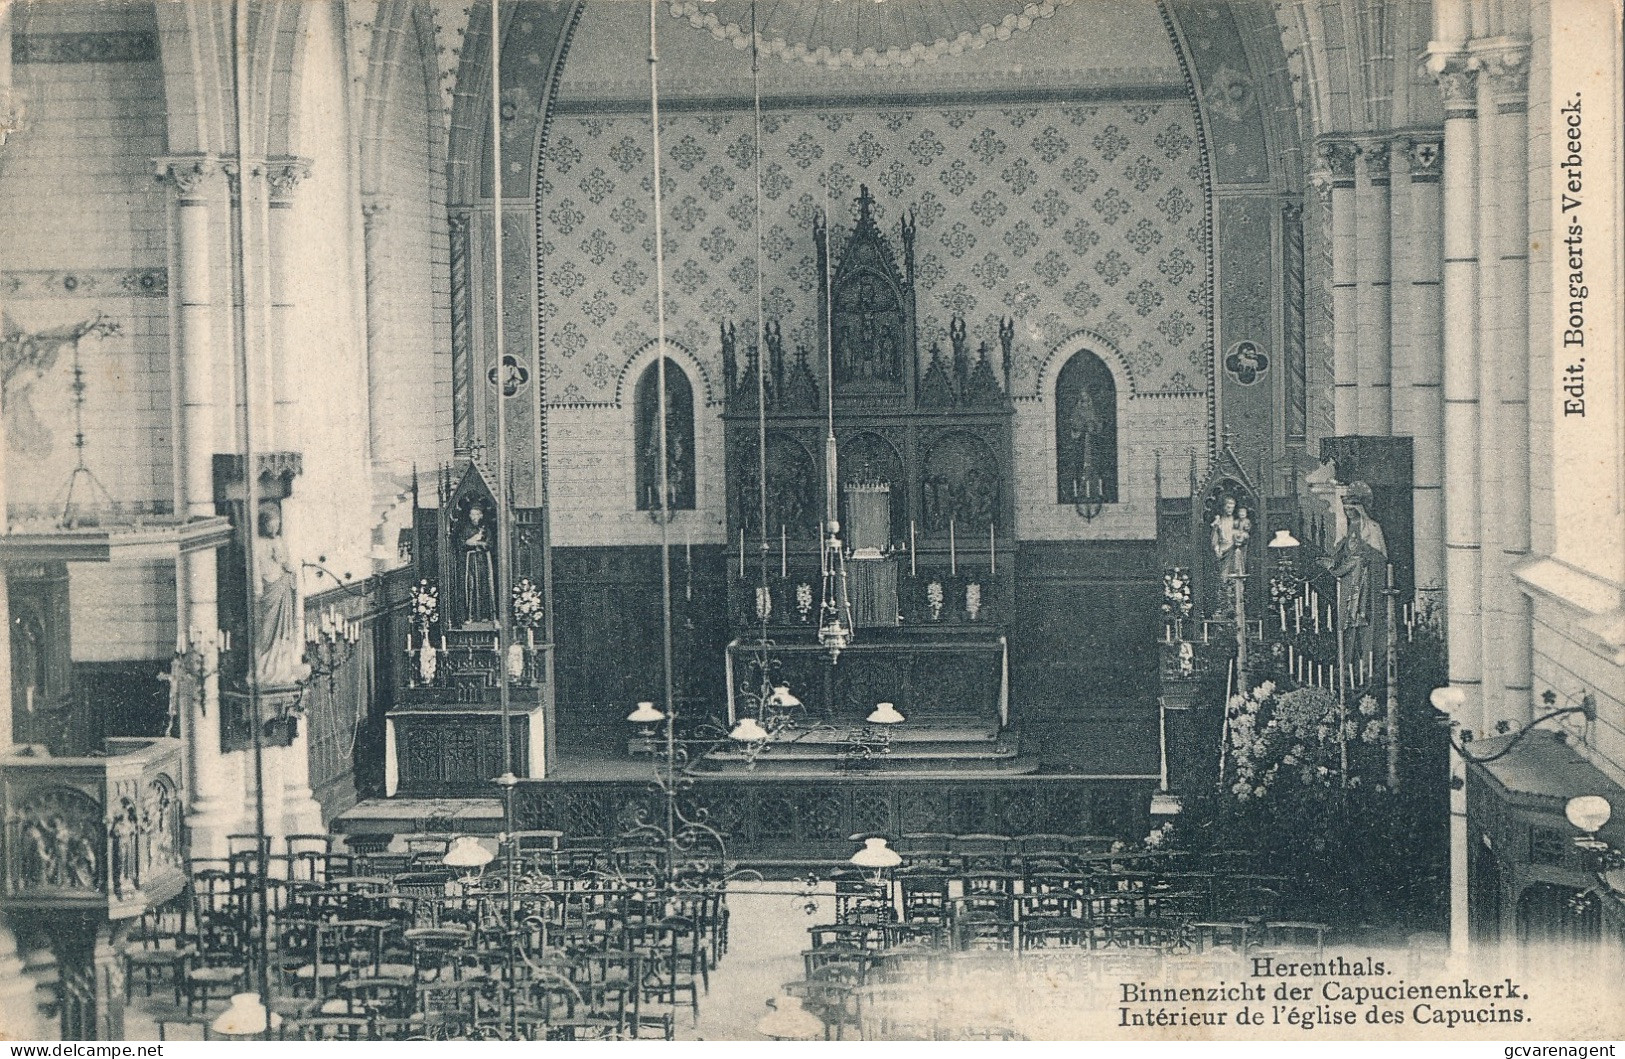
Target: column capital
[
  {"x": 234, "y": 168},
  {"x": 1456, "y": 76},
  {"x": 1337, "y": 155},
  {"x": 1375, "y": 153},
  {"x": 374, "y": 208},
  {"x": 1502, "y": 64},
  {"x": 1426, "y": 153},
  {"x": 191, "y": 174},
  {"x": 282, "y": 176}
]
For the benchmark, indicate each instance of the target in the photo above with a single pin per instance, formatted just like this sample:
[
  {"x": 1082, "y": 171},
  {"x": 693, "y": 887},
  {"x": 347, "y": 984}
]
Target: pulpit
[{"x": 92, "y": 842}]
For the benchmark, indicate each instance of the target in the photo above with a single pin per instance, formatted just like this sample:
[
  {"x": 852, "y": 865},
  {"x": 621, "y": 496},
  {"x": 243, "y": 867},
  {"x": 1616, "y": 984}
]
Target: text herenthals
[{"x": 1572, "y": 181}]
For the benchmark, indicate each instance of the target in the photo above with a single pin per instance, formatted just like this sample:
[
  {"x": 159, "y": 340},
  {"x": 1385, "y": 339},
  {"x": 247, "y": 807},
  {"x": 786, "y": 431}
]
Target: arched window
[
  {"x": 679, "y": 438},
  {"x": 1085, "y": 431}
]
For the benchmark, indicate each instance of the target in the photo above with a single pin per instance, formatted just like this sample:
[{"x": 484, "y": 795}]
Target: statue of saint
[
  {"x": 278, "y": 655},
  {"x": 1228, "y": 536},
  {"x": 479, "y": 576},
  {"x": 1084, "y": 424},
  {"x": 1360, "y": 562}
]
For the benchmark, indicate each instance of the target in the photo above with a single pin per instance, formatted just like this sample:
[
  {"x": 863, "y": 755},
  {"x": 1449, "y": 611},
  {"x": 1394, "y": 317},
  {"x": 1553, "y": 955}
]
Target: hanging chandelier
[{"x": 859, "y": 33}]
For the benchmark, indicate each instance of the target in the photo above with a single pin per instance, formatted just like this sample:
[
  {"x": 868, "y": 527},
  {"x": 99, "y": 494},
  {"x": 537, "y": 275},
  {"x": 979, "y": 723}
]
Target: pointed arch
[
  {"x": 1086, "y": 442},
  {"x": 679, "y": 438}
]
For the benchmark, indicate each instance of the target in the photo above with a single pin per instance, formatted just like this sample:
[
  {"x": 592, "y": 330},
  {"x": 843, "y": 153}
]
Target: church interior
[{"x": 503, "y": 500}]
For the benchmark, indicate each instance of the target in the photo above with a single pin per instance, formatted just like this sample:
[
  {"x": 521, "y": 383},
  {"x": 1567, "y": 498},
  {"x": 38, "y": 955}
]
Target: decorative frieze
[
  {"x": 86, "y": 283},
  {"x": 84, "y": 47}
]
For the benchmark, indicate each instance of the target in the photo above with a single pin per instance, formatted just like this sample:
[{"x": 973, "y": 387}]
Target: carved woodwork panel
[{"x": 960, "y": 482}]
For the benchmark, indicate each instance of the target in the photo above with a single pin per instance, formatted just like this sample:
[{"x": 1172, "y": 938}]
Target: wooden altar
[
  {"x": 444, "y": 728},
  {"x": 924, "y": 486}
]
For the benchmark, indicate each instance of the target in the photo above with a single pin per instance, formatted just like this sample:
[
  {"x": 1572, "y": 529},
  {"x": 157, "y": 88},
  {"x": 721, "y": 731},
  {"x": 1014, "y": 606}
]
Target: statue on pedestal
[
  {"x": 479, "y": 577},
  {"x": 1359, "y": 562},
  {"x": 278, "y": 654}
]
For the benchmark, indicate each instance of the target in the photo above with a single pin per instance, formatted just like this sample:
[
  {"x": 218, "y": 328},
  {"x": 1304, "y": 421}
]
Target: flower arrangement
[
  {"x": 425, "y": 605},
  {"x": 973, "y": 600},
  {"x": 1176, "y": 594},
  {"x": 933, "y": 599},
  {"x": 1300, "y": 735},
  {"x": 804, "y": 600},
  {"x": 526, "y": 604}
]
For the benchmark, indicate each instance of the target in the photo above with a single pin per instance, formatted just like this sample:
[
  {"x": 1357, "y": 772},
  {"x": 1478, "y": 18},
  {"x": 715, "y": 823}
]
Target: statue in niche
[
  {"x": 680, "y": 478},
  {"x": 1227, "y": 535},
  {"x": 278, "y": 655},
  {"x": 1085, "y": 431},
  {"x": 476, "y": 541},
  {"x": 1360, "y": 563}
]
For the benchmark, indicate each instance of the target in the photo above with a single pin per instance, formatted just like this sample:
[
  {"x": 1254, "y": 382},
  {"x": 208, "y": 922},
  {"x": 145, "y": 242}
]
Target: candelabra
[
  {"x": 330, "y": 643},
  {"x": 1088, "y": 497},
  {"x": 197, "y": 659}
]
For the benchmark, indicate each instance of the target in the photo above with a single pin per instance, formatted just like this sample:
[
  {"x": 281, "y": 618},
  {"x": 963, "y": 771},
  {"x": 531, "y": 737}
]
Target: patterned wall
[{"x": 1061, "y": 215}]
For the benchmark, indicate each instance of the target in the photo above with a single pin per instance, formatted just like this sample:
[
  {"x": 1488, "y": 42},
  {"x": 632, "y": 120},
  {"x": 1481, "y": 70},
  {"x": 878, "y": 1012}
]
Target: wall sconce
[{"x": 329, "y": 644}]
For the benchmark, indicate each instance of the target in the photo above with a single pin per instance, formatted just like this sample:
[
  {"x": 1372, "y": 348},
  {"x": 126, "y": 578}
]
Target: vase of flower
[{"x": 934, "y": 599}]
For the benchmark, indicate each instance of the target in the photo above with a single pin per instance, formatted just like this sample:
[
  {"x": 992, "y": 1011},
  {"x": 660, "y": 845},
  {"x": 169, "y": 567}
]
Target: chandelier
[{"x": 858, "y": 33}]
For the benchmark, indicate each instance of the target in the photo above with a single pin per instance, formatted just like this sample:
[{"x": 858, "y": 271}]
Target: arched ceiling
[{"x": 1086, "y": 44}]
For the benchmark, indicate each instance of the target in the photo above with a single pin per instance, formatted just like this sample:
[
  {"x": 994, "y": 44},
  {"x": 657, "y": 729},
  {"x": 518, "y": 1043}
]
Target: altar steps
[{"x": 949, "y": 750}]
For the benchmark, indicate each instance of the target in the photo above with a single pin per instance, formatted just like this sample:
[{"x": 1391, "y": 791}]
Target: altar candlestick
[
  {"x": 784, "y": 559},
  {"x": 953, "y": 555},
  {"x": 992, "y": 551},
  {"x": 530, "y": 638},
  {"x": 1289, "y": 659},
  {"x": 912, "y": 571},
  {"x": 1282, "y": 608},
  {"x": 741, "y": 552},
  {"x": 1297, "y": 621},
  {"x": 688, "y": 549},
  {"x": 442, "y": 643}
]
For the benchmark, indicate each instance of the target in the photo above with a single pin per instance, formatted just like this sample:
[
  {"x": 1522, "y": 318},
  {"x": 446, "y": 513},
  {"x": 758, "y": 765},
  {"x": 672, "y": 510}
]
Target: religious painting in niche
[
  {"x": 679, "y": 439},
  {"x": 474, "y": 544},
  {"x": 868, "y": 330},
  {"x": 1085, "y": 431},
  {"x": 793, "y": 501},
  {"x": 867, "y": 458},
  {"x": 961, "y": 483}
]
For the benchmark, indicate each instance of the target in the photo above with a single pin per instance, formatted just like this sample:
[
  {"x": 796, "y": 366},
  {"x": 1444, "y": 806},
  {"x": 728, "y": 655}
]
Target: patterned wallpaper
[{"x": 1061, "y": 215}]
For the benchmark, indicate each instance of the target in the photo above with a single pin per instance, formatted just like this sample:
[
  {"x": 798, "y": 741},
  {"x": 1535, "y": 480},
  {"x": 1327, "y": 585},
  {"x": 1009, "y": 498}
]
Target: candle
[
  {"x": 688, "y": 549},
  {"x": 992, "y": 551},
  {"x": 1204, "y": 632},
  {"x": 912, "y": 571},
  {"x": 784, "y": 560},
  {"x": 442, "y": 643},
  {"x": 530, "y": 638},
  {"x": 741, "y": 552},
  {"x": 1282, "y": 608},
  {"x": 1297, "y": 621},
  {"x": 953, "y": 557}
]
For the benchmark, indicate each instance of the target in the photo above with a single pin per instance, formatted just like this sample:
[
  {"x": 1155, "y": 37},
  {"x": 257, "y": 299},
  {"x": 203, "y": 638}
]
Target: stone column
[
  {"x": 282, "y": 177},
  {"x": 1339, "y": 158},
  {"x": 290, "y": 806},
  {"x": 375, "y": 216},
  {"x": 1503, "y": 72},
  {"x": 214, "y": 780},
  {"x": 1374, "y": 362},
  {"x": 1417, "y": 309},
  {"x": 1459, "y": 317}
]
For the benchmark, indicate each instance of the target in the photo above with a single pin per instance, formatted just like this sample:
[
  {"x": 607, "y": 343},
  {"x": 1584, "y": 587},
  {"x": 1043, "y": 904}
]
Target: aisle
[{"x": 767, "y": 933}]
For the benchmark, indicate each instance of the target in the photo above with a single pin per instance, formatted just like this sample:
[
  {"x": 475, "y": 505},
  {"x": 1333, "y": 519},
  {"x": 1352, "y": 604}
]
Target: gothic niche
[
  {"x": 1085, "y": 431},
  {"x": 869, "y": 459},
  {"x": 679, "y": 439},
  {"x": 474, "y": 544},
  {"x": 792, "y": 491},
  {"x": 871, "y": 309},
  {"x": 961, "y": 483}
]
